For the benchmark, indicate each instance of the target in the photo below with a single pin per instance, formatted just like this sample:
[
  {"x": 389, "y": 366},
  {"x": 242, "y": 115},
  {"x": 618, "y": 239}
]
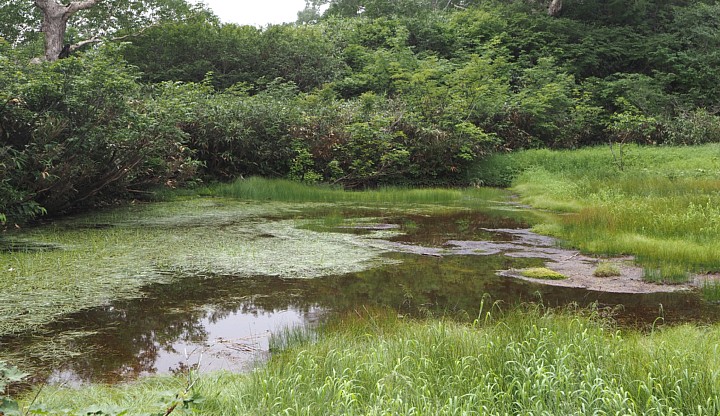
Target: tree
[
  {"x": 54, "y": 25},
  {"x": 90, "y": 21}
]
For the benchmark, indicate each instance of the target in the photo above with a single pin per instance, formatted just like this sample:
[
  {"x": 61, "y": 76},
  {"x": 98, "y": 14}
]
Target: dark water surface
[{"x": 225, "y": 321}]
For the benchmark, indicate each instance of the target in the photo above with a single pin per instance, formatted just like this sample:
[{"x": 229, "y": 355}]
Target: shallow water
[{"x": 222, "y": 318}]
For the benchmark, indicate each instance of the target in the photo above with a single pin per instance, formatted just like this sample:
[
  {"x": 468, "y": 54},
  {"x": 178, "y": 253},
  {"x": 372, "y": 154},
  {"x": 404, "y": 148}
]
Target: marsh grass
[
  {"x": 262, "y": 189},
  {"x": 672, "y": 274},
  {"x": 532, "y": 361},
  {"x": 606, "y": 269},
  {"x": 663, "y": 208},
  {"x": 710, "y": 291}
]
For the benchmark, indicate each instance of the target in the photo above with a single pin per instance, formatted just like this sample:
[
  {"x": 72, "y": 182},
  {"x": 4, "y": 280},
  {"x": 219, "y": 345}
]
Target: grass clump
[
  {"x": 710, "y": 290},
  {"x": 606, "y": 269},
  {"x": 526, "y": 362},
  {"x": 669, "y": 273},
  {"x": 542, "y": 273}
]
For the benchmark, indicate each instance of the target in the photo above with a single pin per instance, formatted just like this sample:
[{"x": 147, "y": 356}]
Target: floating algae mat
[
  {"x": 158, "y": 287},
  {"x": 145, "y": 245}
]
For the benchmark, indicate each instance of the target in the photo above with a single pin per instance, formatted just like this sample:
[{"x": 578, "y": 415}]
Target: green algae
[{"x": 142, "y": 245}]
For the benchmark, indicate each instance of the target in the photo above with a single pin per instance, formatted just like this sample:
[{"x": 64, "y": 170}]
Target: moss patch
[{"x": 542, "y": 273}]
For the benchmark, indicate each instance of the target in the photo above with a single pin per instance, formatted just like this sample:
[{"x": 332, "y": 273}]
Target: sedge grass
[
  {"x": 526, "y": 362},
  {"x": 262, "y": 189},
  {"x": 664, "y": 207},
  {"x": 710, "y": 291}
]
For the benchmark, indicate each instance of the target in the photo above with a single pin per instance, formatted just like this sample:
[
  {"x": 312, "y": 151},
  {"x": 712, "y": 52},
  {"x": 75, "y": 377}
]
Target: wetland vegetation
[{"x": 405, "y": 207}]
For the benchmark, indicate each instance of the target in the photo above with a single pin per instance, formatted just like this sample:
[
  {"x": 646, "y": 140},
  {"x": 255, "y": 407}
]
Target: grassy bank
[
  {"x": 663, "y": 205},
  {"x": 261, "y": 189},
  {"x": 527, "y": 362}
]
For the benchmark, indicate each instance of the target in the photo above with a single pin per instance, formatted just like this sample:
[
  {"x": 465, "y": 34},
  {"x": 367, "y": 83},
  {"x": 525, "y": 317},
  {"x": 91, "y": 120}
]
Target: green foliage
[
  {"x": 76, "y": 132},
  {"x": 235, "y": 54},
  {"x": 8, "y": 375},
  {"x": 283, "y": 190}
]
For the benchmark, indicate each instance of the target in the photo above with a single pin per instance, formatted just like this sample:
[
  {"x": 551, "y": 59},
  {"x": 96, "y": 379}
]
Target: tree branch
[
  {"x": 76, "y": 6},
  {"x": 97, "y": 39}
]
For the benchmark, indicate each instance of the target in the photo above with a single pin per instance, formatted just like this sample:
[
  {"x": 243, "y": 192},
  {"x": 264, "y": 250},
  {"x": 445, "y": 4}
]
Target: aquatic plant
[
  {"x": 710, "y": 290},
  {"x": 92, "y": 260},
  {"x": 666, "y": 273}
]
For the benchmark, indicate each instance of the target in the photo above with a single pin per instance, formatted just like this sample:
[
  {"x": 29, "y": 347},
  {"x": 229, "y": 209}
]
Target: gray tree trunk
[
  {"x": 55, "y": 17},
  {"x": 555, "y": 8}
]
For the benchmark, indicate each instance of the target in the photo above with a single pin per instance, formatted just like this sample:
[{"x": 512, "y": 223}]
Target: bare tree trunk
[
  {"x": 55, "y": 17},
  {"x": 555, "y": 8}
]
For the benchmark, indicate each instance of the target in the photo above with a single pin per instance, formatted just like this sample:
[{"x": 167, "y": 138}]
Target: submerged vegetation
[
  {"x": 113, "y": 255},
  {"x": 532, "y": 361}
]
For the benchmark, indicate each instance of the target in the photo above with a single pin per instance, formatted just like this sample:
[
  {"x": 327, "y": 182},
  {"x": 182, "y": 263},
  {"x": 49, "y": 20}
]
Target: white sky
[{"x": 256, "y": 12}]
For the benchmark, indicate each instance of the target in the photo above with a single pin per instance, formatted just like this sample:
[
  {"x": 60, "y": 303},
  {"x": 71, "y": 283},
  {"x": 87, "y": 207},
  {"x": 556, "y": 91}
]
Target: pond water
[{"x": 218, "y": 312}]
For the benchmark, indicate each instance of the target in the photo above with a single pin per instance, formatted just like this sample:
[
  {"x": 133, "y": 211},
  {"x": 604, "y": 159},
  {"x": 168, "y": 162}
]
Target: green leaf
[{"x": 9, "y": 407}]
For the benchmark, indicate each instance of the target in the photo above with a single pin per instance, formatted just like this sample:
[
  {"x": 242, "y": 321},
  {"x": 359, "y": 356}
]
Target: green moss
[{"x": 542, "y": 273}]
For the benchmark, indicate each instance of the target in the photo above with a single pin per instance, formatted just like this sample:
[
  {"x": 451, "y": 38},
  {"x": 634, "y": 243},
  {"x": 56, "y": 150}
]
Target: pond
[{"x": 156, "y": 288}]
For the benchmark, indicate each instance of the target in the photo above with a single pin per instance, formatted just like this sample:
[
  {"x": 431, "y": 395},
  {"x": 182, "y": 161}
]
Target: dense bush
[
  {"x": 77, "y": 132},
  {"x": 413, "y": 92}
]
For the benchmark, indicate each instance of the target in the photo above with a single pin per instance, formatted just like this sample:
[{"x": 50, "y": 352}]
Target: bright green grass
[
  {"x": 261, "y": 189},
  {"x": 535, "y": 362},
  {"x": 663, "y": 208},
  {"x": 542, "y": 273}
]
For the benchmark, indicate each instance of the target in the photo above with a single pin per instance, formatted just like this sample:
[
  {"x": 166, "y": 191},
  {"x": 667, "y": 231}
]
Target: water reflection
[{"x": 227, "y": 320}]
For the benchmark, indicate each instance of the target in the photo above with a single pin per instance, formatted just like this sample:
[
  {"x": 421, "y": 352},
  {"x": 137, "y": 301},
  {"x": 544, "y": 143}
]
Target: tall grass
[
  {"x": 664, "y": 207},
  {"x": 262, "y": 189},
  {"x": 528, "y": 362}
]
